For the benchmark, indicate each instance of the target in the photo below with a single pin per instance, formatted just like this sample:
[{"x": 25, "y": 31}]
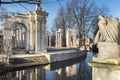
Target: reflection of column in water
[
  {"x": 57, "y": 75},
  {"x": 30, "y": 74},
  {"x": 81, "y": 70},
  {"x": 60, "y": 74},
  {"x": 42, "y": 73},
  {"x": 27, "y": 74},
  {"x": 71, "y": 70},
  {"x": 34, "y": 74},
  {"x": 20, "y": 75},
  {"x": 37, "y": 74},
  {"x": 6, "y": 76},
  {"x": 63, "y": 73}
]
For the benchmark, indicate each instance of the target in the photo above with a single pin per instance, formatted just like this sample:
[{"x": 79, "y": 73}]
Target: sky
[{"x": 53, "y": 7}]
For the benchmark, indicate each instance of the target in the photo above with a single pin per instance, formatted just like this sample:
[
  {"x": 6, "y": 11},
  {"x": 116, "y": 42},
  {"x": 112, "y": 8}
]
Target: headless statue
[{"x": 108, "y": 30}]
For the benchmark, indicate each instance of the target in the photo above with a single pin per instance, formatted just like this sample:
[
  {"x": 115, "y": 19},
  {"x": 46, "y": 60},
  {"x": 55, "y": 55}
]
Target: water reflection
[{"x": 76, "y": 69}]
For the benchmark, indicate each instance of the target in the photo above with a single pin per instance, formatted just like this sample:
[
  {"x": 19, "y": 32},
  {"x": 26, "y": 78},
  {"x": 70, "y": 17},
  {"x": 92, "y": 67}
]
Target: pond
[{"x": 75, "y": 69}]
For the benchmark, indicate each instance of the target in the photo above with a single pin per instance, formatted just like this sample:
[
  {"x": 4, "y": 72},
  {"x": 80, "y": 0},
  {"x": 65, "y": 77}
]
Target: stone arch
[
  {"x": 9, "y": 22},
  {"x": 20, "y": 35},
  {"x": 35, "y": 23},
  {"x": 16, "y": 22},
  {"x": 8, "y": 28}
]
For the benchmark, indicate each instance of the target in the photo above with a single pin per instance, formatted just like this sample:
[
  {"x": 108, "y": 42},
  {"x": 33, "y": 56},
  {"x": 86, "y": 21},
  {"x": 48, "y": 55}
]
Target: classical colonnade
[
  {"x": 19, "y": 37},
  {"x": 70, "y": 38}
]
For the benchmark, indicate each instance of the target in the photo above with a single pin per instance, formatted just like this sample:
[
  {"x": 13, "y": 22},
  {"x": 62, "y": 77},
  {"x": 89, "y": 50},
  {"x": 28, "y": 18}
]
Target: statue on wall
[
  {"x": 108, "y": 30},
  {"x": 107, "y": 38}
]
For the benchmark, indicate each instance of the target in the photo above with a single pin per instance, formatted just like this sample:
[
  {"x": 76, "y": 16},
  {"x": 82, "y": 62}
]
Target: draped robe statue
[{"x": 108, "y": 30}]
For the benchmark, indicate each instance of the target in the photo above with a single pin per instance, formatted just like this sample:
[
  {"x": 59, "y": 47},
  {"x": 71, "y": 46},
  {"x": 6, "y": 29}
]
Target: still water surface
[{"x": 77, "y": 69}]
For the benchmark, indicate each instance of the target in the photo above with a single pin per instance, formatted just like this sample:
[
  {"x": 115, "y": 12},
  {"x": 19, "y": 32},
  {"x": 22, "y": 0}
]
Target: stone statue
[
  {"x": 38, "y": 7},
  {"x": 108, "y": 30},
  {"x": 106, "y": 61},
  {"x": 107, "y": 39}
]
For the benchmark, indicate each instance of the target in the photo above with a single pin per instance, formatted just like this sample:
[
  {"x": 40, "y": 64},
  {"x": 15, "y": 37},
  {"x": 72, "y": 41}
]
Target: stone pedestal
[
  {"x": 106, "y": 63},
  {"x": 107, "y": 51},
  {"x": 105, "y": 71}
]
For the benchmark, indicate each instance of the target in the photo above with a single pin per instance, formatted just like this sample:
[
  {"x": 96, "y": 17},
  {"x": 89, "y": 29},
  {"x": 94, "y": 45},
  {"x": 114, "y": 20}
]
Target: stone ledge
[
  {"x": 106, "y": 65},
  {"x": 63, "y": 55}
]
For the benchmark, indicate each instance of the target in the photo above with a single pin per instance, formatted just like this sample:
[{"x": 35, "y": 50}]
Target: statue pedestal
[
  {"x": 107, "y": 51},
  {"x": 106, "y": 64},
  {"x": 105, "y": 71}
]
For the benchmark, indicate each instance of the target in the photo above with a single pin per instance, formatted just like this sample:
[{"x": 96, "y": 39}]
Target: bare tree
[
  {"x": 3, "y": 13},
  {"x": 82, "y": 15},
  {"x": 59, "y": 22},
  {"x": 18, "y": 1}
]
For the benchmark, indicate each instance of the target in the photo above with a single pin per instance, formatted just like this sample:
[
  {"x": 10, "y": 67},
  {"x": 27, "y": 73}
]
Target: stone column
[
  {"x": 40, "y": 31},
  {"x": 67, "y": 38},
  {"x": 13, "y": 39},
  {"x": 56, "y": 41},
  {"x": 7, "y": 41},
  {"x": 49, "y": 40},
  {"x": 74, "y": 38},
  {"x": 27, "y": 41},
  {"x": 17, "y": 38},
  {"x": 37, "y": 36},
  {"x": 31, "y": 35},
  {"x": 20, "y": 37},
  {"x": 59, "y": 38},
  {"x": 71, "y": 37},
  {"x": 68, "y": 43},
  {"x": 44, "y": 43},
  {"x": 23, "y": 40}
]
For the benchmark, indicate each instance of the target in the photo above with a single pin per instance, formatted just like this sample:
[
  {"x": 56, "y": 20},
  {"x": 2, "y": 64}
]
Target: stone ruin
[
  {"x": 59, "y": 38},
  {"x": 26, "y": 31},
  {"x": 71, "y": 38}
]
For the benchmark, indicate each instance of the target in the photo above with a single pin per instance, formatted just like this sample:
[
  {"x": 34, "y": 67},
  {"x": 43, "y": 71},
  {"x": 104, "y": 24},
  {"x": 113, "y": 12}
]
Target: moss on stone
[
  {"x": 119, "y": 63},
  {"x": 110, "y": 62}
]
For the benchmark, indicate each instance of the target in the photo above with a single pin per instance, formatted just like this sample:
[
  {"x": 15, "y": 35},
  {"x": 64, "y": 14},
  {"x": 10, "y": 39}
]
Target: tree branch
[{"x": 11, "y": 2}]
